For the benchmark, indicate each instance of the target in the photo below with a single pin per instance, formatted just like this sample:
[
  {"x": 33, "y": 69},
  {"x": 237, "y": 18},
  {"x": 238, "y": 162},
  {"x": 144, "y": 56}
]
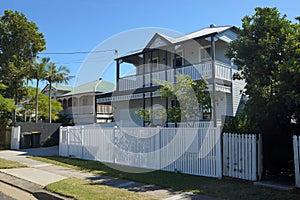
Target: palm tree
[
  {"x": 56, "y": 75},
  {"x": 39, "y": 73}
]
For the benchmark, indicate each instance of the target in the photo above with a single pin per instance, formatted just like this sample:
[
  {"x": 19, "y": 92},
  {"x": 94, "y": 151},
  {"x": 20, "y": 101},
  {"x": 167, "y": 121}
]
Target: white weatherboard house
[
  {"x": 194, "y": 150},
  {"x": 200, "y": 54}
]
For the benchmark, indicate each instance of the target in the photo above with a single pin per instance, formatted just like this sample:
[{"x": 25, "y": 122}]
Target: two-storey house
[{"x": 200, "y": 54}]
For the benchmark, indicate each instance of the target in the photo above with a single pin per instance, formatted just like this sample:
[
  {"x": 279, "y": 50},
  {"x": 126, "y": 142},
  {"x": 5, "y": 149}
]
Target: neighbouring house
[
  {"x": 79, "y": 102},
  {"x": 200, "y": 54}
]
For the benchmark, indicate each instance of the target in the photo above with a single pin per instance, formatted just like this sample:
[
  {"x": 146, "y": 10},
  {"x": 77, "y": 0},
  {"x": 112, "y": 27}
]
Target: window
[
  {"x": 179, "y": 58},
  {"x": 204, "y": 53}
]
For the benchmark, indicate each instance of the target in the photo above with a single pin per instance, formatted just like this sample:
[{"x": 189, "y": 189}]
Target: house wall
[
  {"x": 237, "y": 89},
  {"x": 124, "y": 112},
  {"x": 224, "y": 105},
  {"x": 221, "y": 48},
  {"x": 81, "y": 108}
]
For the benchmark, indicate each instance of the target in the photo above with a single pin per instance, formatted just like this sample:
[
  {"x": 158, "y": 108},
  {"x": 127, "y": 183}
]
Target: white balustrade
[{"x": 197, "y": 72}]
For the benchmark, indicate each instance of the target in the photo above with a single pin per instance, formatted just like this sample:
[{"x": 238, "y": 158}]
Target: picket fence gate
[
  {"x": 242, "y": 156},
  {"x": 195, "y": 151}
]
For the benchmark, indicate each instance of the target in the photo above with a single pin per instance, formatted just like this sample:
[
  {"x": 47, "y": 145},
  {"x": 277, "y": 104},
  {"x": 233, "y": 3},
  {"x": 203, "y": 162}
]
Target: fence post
[
  {"x": 60, "y": 142},
  {"x": 218, "y": 152},
  {"x": 114, "y": 144},
  {"x": 15, "y": 138},
  {"x": 259, "y": 157},
  {"x": 68, "y": 140},
  {"x": 296, "y": 160},
  {"x": 82, "y": 141},
  {"x": 254, "y": 169},
  {"x": 225, "y": 154},
  {"x": 158, "y": 147}
]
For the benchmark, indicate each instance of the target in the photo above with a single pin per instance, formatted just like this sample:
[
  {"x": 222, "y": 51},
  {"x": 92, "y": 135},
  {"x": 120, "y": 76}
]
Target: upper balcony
[{"x": 223, "y": 72}]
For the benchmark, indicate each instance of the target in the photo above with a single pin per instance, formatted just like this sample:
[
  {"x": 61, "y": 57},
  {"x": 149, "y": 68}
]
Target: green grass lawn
[
  {"x": 7, "y": 164},
  {"x": 225, "y": 188},
  {"x": 86, "y": 190}
]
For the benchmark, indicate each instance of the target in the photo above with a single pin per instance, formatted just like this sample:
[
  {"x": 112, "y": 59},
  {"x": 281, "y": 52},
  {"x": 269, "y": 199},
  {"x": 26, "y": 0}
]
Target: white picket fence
[
  {"x": 194, "y": 151},
  {"x": 242, "y": 156},
  {"x": 296, "y": 145}
]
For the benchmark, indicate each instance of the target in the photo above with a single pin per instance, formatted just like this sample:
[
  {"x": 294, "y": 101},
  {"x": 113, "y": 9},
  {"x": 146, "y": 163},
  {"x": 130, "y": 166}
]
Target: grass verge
[
  {"x": 86, "y": 190},
  {"x": 7, "y": 164},
  {"x": 225, "y": 188}
]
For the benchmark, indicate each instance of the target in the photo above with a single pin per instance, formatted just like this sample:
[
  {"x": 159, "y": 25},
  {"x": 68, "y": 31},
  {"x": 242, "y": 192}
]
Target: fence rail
[
  {"x": 242, "y": 156},
  {"x": 194, "y": 151}
]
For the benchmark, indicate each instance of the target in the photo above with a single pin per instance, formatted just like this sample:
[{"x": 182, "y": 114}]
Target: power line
[{"x": 80, "y": 52}]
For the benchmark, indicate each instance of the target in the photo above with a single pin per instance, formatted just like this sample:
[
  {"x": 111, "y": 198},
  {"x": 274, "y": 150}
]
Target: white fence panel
[
  {"x": 75, "y": 142},
  {"x": 188, "y": 150},
  {"x": 296, "y": 145},
  {"x": 63, "y": 141},
  {"x": 15, "y": 137},
  {"x": 242, "y": 154}
]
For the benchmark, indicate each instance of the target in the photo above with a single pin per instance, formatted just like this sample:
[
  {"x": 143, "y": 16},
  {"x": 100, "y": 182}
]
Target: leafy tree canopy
[
  {"x": 29, "y": 105},
  {"x": 191, "y": 95},
  {"x": 267, "y": 53},
  {"x": 20, "y": 42}
]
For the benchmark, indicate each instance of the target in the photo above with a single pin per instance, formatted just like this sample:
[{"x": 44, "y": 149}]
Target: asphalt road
[
  {"x": 8, "y": 192},
  {"x": 5, "y": 197}
]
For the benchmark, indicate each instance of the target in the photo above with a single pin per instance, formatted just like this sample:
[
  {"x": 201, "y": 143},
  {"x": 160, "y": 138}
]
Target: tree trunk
[
  {"x": 50, "y": 110},
  {"x": 37, "y": 100}
]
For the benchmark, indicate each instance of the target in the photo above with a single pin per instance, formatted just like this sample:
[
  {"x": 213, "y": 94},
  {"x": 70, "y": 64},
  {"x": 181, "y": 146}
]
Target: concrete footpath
[{"x": 40, "y": 174}]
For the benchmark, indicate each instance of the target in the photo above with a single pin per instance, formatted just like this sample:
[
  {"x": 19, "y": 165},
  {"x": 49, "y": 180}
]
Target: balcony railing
[{"x": 197, "y": 72}]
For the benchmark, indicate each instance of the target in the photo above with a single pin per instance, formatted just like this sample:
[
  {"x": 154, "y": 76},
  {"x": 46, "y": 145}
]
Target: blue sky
[{"x": 76, "y": 26}]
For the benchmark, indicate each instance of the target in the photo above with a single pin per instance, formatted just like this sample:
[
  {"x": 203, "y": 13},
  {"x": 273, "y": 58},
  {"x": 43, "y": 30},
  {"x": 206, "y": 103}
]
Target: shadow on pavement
[
  {"x": 42, "y": 151},
  {"x": 45, "y": 196}
]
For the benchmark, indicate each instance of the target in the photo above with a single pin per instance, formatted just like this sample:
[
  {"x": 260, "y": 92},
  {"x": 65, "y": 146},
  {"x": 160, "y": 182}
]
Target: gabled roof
[
  {"x": 97, "y": 86},
  {"x": 221, "y": 32},
  {"x": 58, "y": 87},
  {"x": 62, "y": 87},
  {"x": 159, "y": 40},
  {"x": 202, "y": 33}
]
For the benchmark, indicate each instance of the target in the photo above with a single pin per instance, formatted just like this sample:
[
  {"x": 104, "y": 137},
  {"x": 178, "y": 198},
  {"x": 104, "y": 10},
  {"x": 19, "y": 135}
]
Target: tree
[
  {"x": 20, "y": 42},
  {"x": 6, "y": 106},
  {"x": 266, "y": 54},
  {"x": 191, "y": 95},
  {"x": 38, "y": 73},
  {"x": 55, "y": 75},
  {"x": 29, "y": 105}
]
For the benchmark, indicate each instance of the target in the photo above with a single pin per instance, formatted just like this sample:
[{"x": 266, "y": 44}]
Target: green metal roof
[
  {"x": 63, "y": 87},
  {"x": 99, "y": 86}
]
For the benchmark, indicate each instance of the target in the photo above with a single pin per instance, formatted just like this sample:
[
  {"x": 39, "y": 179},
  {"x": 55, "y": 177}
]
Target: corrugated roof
[
  {"x": 62, "y": 87},
  {"x": 100, "y": 86},
  {"x": 168, "y": 38},
  {"x": 202, "y": 33},
  {"x": 197, "y": 34}
]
